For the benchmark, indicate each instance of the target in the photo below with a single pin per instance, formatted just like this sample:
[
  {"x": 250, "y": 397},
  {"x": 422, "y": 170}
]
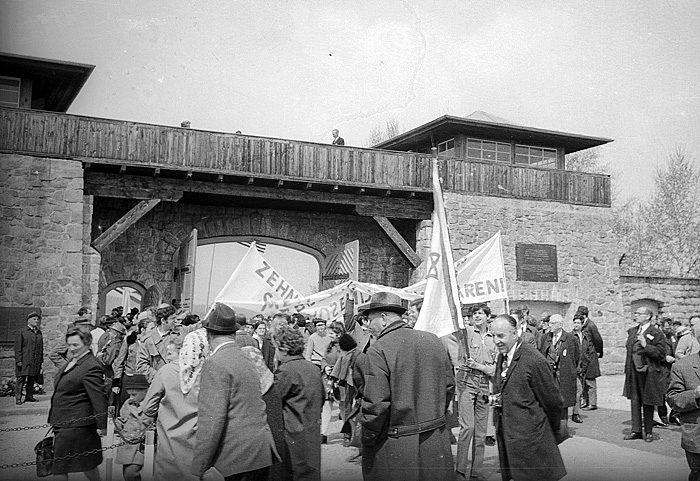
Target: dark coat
[
  {"x": 79, "y": 393},
  {"x": 29, "y": 350},
  {"x": 409, "y": 383},
  {"x": 591, "y": 351},
  {"x": 529, "y": 418},
  {"x": 268, "y": 352},
  {"x": 564, "y": 361},
  {"x": 298, "y": 383},
  {"x": 654, "y": 382},
  {"x": 685, "y": 378},
  {"x": 232, "y": 430}
]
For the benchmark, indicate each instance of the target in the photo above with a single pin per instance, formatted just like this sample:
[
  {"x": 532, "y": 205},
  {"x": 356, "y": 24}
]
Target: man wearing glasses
[{"x": 645, "y": 379}]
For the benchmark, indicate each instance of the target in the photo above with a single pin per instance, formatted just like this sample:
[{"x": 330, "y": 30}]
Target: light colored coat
[
  {"x": 685, "y": 377},
  {"x": 176, "y": 423}
]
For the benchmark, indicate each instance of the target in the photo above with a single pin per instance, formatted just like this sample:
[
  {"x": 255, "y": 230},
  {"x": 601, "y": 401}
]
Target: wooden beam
[
  {"x": 127, "y": 220},
  {"x": 146, "y": 187},
  {"x": 403, "y": 246}
]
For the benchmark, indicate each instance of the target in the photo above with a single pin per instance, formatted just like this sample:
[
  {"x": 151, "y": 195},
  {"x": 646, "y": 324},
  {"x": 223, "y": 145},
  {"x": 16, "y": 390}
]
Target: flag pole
[{"x": 447, "y": 264}]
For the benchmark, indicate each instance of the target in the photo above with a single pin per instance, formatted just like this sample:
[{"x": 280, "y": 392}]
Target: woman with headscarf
[{"x": 173, "y": 397}]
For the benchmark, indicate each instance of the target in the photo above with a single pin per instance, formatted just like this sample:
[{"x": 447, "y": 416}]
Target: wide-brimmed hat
[
  {"x": 137, "y": 381},
  {"x": 383, "y": 301},
  {"x": 221, "y": 319}
]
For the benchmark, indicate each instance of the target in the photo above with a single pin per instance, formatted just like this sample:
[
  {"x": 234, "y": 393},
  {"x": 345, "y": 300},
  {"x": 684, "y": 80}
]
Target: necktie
[{"x": 504, "y": 366}]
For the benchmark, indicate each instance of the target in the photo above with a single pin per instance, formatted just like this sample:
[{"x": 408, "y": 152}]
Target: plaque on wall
[{"x": 536, "y": 262}]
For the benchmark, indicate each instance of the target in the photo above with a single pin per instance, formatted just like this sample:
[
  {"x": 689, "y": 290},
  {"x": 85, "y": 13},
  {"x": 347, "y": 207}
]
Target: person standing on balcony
[{"x": 337, "y": 139}]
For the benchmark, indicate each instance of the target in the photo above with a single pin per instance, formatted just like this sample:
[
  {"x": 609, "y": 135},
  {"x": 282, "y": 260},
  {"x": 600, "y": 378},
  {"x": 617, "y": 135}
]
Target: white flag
[{"x": 441, "y": 312}]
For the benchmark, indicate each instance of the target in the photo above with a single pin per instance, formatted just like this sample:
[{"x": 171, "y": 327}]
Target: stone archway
[{"x": 127, "y": 285}]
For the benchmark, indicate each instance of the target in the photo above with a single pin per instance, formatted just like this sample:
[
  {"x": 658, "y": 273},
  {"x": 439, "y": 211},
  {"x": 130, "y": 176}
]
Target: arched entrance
[
  {"x": 127, "y": 294},
  {"x": 218, "y": 257}
]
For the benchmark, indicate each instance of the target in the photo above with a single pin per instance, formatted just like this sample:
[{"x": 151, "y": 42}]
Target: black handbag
[{"x": 44, "y": 455}]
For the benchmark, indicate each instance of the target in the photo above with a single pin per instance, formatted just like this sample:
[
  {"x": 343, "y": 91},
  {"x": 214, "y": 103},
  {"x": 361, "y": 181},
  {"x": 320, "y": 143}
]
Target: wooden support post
[
  {"x": 403, "y": 246},
  {"x": 149, "y": 456},
  {"x": 127, "y": 220}
]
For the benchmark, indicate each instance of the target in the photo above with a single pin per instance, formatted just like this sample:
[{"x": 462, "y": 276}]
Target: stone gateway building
[{"x": 89, "y": 205}]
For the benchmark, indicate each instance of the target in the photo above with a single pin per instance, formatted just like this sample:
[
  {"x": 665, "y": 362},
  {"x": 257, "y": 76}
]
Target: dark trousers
[
  {"x": 694, "y": 464},
  {"x": 257, "y": 475},
  {"x": 19, "y": 386},
  {"x": 642, "y": 416}
]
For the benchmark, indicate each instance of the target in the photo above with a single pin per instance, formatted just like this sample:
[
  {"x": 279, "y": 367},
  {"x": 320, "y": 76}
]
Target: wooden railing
[{"x": 89, "y": 139}]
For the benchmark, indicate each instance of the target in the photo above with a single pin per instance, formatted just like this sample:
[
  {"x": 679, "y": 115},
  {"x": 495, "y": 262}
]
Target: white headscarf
[{"x": 194, "y": 351}]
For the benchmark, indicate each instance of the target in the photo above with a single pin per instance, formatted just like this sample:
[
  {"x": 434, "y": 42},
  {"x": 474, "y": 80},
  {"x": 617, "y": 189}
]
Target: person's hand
[
  {"x": 115, "y": 389},
  {"x": 670, "y": 359},
  {"x": 472, "y": 364},
  {"x": 642, "y": 340},
  {"x": 102, "y": 432}
]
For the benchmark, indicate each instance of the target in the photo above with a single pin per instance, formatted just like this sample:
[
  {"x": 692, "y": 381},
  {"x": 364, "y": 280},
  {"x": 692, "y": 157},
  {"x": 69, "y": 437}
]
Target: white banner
[
  {"x": 480, "y": 274},
  {"x": 255, "y": 287}
]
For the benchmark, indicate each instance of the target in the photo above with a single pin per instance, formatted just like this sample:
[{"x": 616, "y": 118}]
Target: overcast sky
[{"x": 626, "y": 70}]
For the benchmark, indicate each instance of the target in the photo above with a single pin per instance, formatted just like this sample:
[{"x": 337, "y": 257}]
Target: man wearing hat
[
  {"x": 408, "y": 384},
  {"x": 29, "y": 356},
  {"x": 232, "y": 431}
]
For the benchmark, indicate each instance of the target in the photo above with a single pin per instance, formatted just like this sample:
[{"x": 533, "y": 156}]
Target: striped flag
[{"x": 258, "y": 245}]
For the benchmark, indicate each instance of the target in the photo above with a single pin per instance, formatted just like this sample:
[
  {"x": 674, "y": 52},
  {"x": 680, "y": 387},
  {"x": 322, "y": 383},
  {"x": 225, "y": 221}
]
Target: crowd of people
[{"x": 252, "y": 398}]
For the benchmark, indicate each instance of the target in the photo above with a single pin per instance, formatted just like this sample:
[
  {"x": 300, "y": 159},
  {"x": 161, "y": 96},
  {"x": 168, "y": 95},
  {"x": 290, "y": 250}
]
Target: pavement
[{"x": 594, "y": 452}]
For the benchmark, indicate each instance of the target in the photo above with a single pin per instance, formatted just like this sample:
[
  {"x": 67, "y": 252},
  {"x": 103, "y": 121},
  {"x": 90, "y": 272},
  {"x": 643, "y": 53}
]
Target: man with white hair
[{"x": 562, "y": 351}]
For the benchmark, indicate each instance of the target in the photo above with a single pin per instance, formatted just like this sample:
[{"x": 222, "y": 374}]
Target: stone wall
[
  {"x": 586, "y": 250},
  {"x": 144, "y": 252},
  {"x": 677, "y": 298},
  {"x": 41, "y": 241}
]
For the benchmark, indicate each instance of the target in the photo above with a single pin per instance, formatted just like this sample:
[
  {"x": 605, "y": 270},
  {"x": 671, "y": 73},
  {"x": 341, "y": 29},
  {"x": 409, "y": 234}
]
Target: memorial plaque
[{"x": 536, "y": 262}]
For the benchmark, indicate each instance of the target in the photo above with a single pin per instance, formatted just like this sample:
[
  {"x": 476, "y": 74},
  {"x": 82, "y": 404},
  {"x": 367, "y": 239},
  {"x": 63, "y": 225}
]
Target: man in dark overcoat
[
  {"x": 683, "y": 396},
  {"x": 528, "y": 415},
  {"x": 590, "y": 366},
  {"x": 561, "y": 349},
  {"x": 646, "y": 380},
  {"x": 408, "y": 385},
  {"x": 29, "y": 356}
]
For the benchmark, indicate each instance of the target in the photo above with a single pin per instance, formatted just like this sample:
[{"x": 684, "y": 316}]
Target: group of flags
[{"x": 257, "y": 287}]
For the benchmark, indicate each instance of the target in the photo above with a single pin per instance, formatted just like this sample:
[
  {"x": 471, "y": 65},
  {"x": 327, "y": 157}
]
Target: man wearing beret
[
  {"x": 408, "y": 384},
  {"x": 233, "y": 435},
  {"x": 29, "y": 356}
]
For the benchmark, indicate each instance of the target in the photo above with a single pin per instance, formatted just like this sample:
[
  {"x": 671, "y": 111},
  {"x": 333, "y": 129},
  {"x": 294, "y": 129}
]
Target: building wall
[
  {"x": 144, "y": 252},
  {"x": 677, "y": 298},
  {"x": 586, "y": 250},
  {"x": 41, "y": 243}
]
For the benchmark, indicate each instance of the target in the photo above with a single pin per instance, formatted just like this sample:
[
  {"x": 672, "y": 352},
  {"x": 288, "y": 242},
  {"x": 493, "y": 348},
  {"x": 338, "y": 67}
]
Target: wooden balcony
[{"x": 141, "y": 148}]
